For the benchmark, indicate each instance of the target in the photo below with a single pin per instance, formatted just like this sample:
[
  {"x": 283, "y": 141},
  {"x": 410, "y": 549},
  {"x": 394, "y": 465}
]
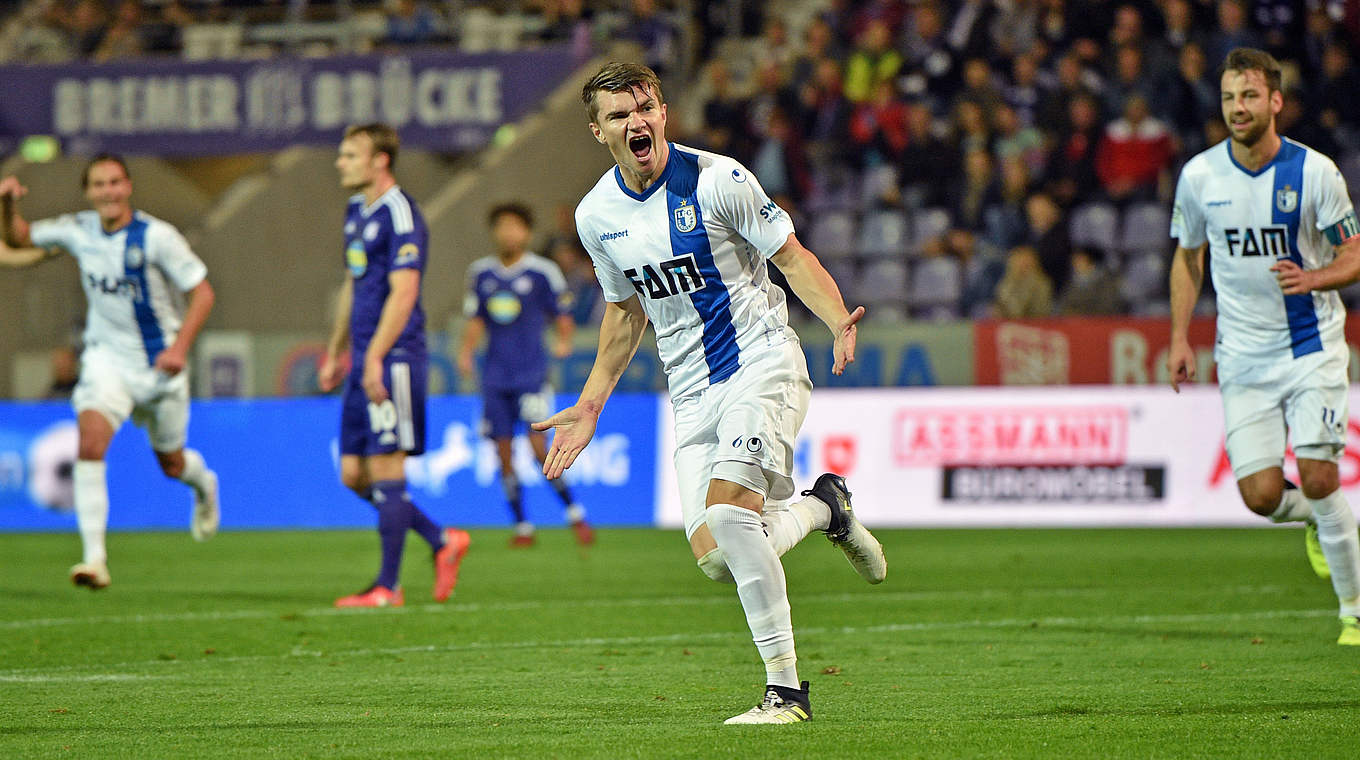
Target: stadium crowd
[{"x": 946, "y": 158}]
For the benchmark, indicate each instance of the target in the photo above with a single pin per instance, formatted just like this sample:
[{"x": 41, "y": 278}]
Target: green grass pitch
[{"x": 1026, "y": 643}]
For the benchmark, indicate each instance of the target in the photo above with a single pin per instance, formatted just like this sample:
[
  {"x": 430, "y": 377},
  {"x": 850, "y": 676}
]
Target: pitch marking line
[
  {"x": 52, "y": 674},
  {"x": 858, "y": 598}
]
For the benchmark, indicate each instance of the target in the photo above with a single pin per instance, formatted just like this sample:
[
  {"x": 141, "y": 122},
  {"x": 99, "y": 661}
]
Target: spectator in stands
[
  {"x": 413, "y": 22},
  {"x": 1025, "y": 92},
  {"x": 1048, "y": 235},
  {"x": 1129, "y": 78},
  {"x": 85, "y": 24},
  {"x": 1232, "y": 32},
  {"x": 567, "y": 21},
  {"x": 1014, "y": 28},
  {"x": 1190, "y": 96},
  {"x": 772, "y": 94},
  {"x": 983, "y": 267},
  {"x": 979, "y": 87},
  {"x": 969, "y": 27},
  {"x": 1334, "y": 100},
  {"x": 936, "y": 283},
  {"x": 1129, "y": 31},
  {"x": 1073, "y": 79},
  {"x": 656, "y": 34},
  {"x": 971, "y": 128},
  {"x": 1134, "y": 154},
  {"x": 817, "y": 44},
  {"x": 878, "y": 127},
  {"x": 1178, "y": 16},
  {"x": 932, "y": 70},
  {"x": 1092, "y": 290},
  {"x": 724, "y": 113},
  {"x": 779, "y": 161},
  {"x": 930, "y": 162},
  {"x": 123, "y": 39},
  {"x": 1290, "y": 122},
  {"x": 1054, "y": 29},
  {"x": 969, "y": 198},
  {"x": 775, "y": 45},
  {"x": 1004, "y": 217},
  {"x": 825, "y": 113},
  {"x": 1025, "y": 292},
  {"x": 1015, "y": 140},
  {"x": 1281, "y": 24},
  {"x": 587, "y": 300},
  {"x": 1071, "y": 173},
  {"x": 874, "y": 60}
]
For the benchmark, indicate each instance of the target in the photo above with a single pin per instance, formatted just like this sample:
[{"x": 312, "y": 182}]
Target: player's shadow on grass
[{"x": 1283, "y": 708}]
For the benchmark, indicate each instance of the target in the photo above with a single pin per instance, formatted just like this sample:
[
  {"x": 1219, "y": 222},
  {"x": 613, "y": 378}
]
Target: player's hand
[
  {"x": 373, "y": 381},
  {"x": 575, "y": 427},
  {"x": 1180, "y": 364},
  {"x": 844, "y": 348},
  {"x": 171, "y": 361},
  {"x": 331, "y": 373},
  {"x": 9, "y": 186},
  {"x": 561, "y": 348},
  {"x": 1293, "y": 279}
]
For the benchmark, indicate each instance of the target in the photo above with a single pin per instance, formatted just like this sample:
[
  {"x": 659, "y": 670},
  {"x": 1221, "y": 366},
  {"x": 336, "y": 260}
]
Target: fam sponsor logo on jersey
[
  {"x": 1272, "y": 240},
  {"x": 115, "y": 286},
  {"x": 668, "y": 278},
  {"x": 504, "y": 307}
]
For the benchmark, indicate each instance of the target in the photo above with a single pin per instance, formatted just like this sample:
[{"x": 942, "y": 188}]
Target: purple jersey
[
  {"x": 516, "y": 303},
  {"x": 388, "y": 235}
]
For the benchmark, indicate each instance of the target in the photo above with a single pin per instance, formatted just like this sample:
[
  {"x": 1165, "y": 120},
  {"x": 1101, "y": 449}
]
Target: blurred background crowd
[{"x": 947, "y": 159}]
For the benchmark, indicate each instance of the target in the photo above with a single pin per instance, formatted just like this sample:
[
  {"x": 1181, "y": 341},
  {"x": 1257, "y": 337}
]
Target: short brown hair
[
  {"x": 383, "y": 137},
  {"x": 102, "y": 158},
  {"x": 513, "y": 208},
  {"x": 1251, "y": 59},
  {"x": 620, "y": 77}
]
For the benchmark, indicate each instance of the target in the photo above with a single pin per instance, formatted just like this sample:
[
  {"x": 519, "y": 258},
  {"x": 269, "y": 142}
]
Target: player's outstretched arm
[
  {"x": 12, "y": 224},
  {"x": 1186, "y": 280},
  {"x": 620, "y": 333},
  {"x": 817, "y": 289},
  {"x": 473, "y": 332},
  {"x": 172, "y": 360},
  {"x": 332, "y": 371}
]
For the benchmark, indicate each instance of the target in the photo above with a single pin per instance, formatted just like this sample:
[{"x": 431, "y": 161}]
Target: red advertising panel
[{"x": 1091, "y": 350}]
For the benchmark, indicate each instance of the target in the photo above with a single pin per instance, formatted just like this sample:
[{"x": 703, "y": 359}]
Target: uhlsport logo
[{"x": 686, "y": 217}]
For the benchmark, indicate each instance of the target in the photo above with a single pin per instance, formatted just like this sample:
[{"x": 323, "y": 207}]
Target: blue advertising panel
[{"x": 277, "y": 461}]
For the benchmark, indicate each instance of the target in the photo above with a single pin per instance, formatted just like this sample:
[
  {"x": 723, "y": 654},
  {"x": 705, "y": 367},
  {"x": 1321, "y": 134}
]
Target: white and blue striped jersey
[
  {"x": 692, "y": 247},
  {"x": 133, "y": 279},
  {"x": 1294, "y": 207}
]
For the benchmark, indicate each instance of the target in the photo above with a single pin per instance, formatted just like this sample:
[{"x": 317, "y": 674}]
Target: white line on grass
[
  {"x": 871, "y": 597},
  {"x": 69, "y": 678},
  {"x": 691, "y": 637}
]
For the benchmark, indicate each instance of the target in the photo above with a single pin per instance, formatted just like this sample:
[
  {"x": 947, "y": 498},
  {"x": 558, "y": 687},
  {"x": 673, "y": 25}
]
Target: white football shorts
[
  {"x": 1311, "y": 401},
  {"x": 119, "y": 389},
  {"x": 742, "y": 430}
]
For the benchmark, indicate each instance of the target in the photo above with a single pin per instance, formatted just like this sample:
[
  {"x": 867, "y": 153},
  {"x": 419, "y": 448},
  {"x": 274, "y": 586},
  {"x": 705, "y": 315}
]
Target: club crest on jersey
[
  {"x": 686, "y": 217},
  {"x": 134, "y": 257},
  {"x": 1286, "y": 199}
]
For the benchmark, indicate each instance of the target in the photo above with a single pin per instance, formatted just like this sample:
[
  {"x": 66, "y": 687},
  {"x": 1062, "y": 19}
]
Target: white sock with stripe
[
  {"x": 195, "y": 471},
  {"x": 1293, "y": 508},
  {"x": 92, "y": 508},
  {"x": 1336, "y": 532},
  {"x": 760, "y": 586}
]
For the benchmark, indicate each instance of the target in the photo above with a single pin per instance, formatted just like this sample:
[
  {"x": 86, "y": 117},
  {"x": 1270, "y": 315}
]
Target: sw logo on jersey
[
  {"x": 669, "y": 278},
  {"x": 1270, "y": 241},
  {"x": 1286, "y": 199},
  {"x": 407, "y": 254},
  {"x": 686, "y": 218}
]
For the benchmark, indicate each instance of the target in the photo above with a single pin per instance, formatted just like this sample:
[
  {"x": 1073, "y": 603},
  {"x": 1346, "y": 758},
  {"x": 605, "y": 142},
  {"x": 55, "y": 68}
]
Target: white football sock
[
  {"x": 92, "y": 508},
  {"x": 760, "y": 586},
  {"x": 1293, "y": 508},
  {"x": 1336, "y": 533},
  {"x": 195, "y": 471},
  {"x": 790, "y": 524}
]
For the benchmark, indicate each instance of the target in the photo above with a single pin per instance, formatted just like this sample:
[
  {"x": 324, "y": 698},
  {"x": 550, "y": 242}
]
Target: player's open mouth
[{"x": 640, "y": 145}]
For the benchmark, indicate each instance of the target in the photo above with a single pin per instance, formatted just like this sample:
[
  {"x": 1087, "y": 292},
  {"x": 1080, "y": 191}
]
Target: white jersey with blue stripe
[
  {"x": 133, "y": 278},
  {"x": 692, "y": 247},
  {"x": 1250, "y": 219}
]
